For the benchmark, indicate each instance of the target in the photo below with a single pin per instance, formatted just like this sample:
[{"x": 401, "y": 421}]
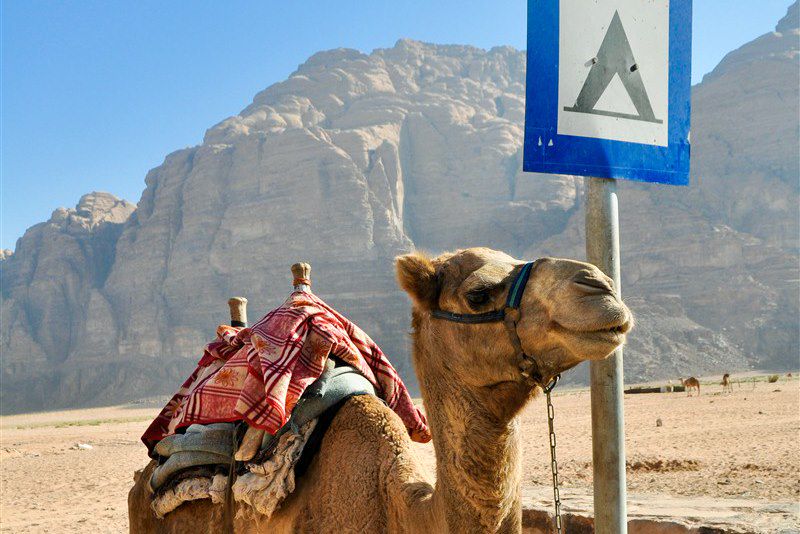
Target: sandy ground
[{"x": 743, "y": 446}]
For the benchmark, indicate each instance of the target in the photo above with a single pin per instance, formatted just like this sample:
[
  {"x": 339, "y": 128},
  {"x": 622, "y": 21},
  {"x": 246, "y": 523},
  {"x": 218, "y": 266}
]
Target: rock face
[
  {"x": 747, "y": 161},
  {"x": 55, "y": 275},
  {"x": 357, "y": 158}
]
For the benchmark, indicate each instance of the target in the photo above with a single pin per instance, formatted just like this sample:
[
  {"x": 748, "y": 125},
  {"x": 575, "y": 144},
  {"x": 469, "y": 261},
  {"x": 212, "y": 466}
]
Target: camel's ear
[{"x": 416, "y": 274}]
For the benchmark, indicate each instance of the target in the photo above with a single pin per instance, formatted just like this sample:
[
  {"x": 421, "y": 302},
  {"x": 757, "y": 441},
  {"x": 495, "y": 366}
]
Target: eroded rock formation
[{"x": 356, "y": 158}]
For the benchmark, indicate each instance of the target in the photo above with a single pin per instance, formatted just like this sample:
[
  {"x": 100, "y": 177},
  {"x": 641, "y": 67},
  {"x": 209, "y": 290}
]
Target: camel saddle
[{"x": 220, "y": 444}]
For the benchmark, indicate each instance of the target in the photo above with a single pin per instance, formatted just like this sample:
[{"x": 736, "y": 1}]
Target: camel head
[{"x": 569, "y": 312}]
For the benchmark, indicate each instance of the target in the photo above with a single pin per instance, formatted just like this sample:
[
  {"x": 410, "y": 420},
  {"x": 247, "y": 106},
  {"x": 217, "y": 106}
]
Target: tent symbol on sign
[{"x": 615, "y": 57}]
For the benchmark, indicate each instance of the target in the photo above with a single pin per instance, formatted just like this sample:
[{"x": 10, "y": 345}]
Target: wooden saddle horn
[
  {"x": 238, "y": 307},
  {"x": 301, "y": 281},
  {"x": 302, "y": 277}
]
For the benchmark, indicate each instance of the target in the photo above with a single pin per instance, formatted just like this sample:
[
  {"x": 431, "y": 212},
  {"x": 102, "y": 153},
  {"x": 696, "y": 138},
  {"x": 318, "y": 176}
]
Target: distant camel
[
  {"x": 691, "y": 383},
  {"x": 727, "y": 385}
]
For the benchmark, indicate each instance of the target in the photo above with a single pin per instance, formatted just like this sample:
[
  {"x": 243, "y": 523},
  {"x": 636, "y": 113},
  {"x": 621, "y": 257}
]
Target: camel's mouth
[
  {"x": 616, "y": 329},
  {"x": 621, "y": 326},
  {"x": 612, "y": 334}
]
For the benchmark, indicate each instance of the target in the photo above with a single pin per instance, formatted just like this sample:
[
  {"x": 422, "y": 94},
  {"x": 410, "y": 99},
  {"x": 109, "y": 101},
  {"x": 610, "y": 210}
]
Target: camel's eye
[{"x": 478, "y": 298}]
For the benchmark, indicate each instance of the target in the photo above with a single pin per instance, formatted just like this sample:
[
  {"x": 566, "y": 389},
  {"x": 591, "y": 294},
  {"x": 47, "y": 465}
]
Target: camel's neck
[{"x": 478, "y": 467}]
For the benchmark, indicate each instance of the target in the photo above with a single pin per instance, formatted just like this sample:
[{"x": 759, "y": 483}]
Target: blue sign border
[{"x": 603, "y": 158}]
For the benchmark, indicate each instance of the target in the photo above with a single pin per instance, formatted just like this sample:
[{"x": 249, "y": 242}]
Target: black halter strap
[
  {"x": 509, "y": 316},
  {"x": 512, "y": 301}
]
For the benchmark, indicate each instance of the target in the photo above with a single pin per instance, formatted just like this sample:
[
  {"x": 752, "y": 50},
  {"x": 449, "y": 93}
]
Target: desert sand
[{"x": 742, "y": 446}]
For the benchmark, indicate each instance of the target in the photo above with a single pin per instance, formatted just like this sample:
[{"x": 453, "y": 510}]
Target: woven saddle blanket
[{"x": 258, "y": 374}]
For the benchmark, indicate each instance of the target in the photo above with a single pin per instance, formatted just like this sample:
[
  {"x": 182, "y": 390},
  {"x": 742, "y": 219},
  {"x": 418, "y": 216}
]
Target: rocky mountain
[{"x": 356, "y": 158}]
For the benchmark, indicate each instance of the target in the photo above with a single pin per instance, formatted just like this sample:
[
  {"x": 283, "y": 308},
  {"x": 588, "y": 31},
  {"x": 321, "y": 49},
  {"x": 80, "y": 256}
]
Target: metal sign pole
[
  {"x": 608, "y": 425},
  {"x": 575, "y": 50}
]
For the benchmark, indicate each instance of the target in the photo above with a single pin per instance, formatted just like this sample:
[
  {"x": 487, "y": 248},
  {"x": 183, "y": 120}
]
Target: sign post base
[{"x": 608, "y": 425}]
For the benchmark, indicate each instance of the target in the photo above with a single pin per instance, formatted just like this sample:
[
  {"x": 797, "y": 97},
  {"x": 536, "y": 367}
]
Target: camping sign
[{"x": 608, "y": 89}]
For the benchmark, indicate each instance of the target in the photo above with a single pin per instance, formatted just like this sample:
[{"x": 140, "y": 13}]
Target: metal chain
[{"x": 551, "y": 414}]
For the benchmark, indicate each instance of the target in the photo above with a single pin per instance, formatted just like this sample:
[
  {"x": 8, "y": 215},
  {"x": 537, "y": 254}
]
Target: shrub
[{"x": 772, "y": 379}]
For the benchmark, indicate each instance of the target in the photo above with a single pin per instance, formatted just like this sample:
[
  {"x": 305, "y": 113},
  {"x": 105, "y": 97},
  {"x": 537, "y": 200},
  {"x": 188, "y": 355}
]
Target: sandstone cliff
[{"x": 356, "y": 158}]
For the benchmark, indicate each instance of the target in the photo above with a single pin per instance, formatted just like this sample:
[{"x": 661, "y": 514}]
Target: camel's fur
[{"x": 366, "y": 477}]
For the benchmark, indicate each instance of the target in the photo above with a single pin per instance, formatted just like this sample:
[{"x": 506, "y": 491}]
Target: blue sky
[{"x": 96, "y": 93}]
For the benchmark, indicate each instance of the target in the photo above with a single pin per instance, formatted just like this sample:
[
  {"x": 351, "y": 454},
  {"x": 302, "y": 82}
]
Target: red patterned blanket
[{"x": 257, "y": 374}]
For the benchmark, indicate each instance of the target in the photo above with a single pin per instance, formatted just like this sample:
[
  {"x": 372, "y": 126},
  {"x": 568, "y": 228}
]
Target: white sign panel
[{"x": 613, "y": 76}]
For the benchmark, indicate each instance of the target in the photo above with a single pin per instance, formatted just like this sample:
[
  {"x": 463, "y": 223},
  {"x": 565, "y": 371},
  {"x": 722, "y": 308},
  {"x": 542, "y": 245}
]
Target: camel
[
  {"x": 727, "y": 385},
  {"x": 690, "y": 384},
  {"x": 366, "y": 476}
]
